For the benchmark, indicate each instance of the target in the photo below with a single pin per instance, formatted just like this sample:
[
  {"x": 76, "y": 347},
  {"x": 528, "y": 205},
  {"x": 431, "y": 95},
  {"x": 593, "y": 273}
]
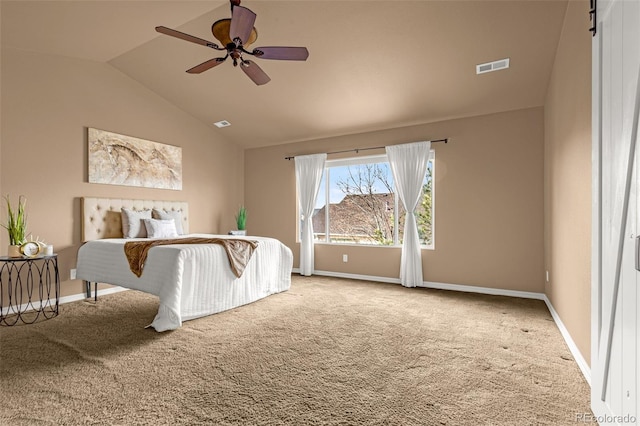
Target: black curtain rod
[{"x": 445, "y": 140}]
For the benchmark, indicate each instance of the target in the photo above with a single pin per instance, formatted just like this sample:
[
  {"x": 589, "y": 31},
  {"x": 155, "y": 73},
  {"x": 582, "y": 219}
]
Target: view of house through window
[{"x": 362, "y": 205}]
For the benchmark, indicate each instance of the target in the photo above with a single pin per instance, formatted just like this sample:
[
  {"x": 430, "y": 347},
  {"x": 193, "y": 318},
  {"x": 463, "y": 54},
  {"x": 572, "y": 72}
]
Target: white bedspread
[{"x": 191, "y": 280}]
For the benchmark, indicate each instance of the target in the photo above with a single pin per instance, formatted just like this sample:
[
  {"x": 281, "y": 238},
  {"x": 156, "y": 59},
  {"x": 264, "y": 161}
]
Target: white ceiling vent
[
  {"x": 492, "y": 66},
  {"x": 223, "y": 123}
]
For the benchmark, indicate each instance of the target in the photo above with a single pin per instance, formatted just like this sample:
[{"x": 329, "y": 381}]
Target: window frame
[{"x": 371, "y": 159}]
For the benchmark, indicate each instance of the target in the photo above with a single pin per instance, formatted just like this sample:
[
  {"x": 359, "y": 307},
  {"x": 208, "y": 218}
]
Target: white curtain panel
[
  {"x": 409, "y": 167},
  {"x": 309, "y": 170}
]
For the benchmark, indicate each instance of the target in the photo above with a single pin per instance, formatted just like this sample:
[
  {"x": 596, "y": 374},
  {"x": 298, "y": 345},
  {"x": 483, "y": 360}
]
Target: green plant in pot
[
  {"x": 16, "y": 225},
  {"x": 241, "y": 220}
]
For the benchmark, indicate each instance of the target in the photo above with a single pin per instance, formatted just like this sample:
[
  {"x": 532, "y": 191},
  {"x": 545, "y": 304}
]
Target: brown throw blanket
[{"x": 238, "y": 251}]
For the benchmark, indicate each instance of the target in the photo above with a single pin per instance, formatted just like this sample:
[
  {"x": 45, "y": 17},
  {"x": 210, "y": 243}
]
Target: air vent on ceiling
[
  {"x": 223, "y": 123},
  {"x": 492, "y": 66}
]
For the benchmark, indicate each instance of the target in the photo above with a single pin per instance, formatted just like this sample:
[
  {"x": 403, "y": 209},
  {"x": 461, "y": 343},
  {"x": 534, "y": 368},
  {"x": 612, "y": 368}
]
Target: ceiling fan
[{"x": 236, "y": 34}]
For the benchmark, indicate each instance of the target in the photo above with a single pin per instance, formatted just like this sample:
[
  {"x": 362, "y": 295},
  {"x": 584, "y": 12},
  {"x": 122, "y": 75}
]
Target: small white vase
[{"x": 14, "y": 251}]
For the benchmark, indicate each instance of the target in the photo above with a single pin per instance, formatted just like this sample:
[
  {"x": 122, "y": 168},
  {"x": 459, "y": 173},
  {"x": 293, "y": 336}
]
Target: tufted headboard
[{"x": 101, "y": 217}]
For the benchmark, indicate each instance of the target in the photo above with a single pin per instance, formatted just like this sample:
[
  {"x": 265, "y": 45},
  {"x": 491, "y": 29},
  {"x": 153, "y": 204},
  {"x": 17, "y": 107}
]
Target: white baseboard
[
  {"x": 65, "y": 299},
  {"x": 582, "y": 363},
  {"x": 353, "y": 276},
  {"x": 24, "y": 308},
  {"x": 573, "y": 348},
  {"x": 82, "y": 296},
  {"x": 484, "y": 290}
]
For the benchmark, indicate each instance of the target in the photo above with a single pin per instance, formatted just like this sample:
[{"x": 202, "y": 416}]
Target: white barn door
[{"x": 615, "y": 376}]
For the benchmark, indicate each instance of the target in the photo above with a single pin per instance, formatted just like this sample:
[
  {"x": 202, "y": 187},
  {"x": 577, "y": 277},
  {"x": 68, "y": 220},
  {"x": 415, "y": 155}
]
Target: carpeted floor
[{"x": 327, "y": 352}]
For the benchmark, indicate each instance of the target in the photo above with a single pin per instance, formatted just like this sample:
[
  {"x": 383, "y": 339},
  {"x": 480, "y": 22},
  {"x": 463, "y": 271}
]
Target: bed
[{"x": 190, "y": 280}]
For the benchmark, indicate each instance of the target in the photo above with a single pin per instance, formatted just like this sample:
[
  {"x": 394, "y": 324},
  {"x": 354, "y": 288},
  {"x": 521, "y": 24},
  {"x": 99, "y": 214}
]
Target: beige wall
[
  {"x": 490, "y": 179},
  {"x": 568, "y": 178},
  {"x": 47, "y": 104},
  {"x": 488, "y": 201}
]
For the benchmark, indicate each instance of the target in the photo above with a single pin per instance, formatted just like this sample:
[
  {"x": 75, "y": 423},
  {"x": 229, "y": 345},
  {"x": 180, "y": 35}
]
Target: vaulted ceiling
[{"x": 372, "y": 64}]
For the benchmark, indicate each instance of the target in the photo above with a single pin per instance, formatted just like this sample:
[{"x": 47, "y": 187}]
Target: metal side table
[{"x": 29, "y": 289}]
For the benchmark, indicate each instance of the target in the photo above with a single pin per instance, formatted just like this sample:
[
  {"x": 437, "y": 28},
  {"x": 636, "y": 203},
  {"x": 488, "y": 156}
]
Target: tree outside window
[{"x": 363, "y": 207}]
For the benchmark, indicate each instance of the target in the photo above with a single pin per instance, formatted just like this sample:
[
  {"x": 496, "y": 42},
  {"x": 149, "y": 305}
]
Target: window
[{"x": 362, "y": 205}]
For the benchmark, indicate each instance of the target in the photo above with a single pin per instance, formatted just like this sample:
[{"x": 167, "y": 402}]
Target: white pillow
[
  {"x": 166, "y": 215},
  {"x": 132, "y": 226},
  {"x": 159, "y": 228}
]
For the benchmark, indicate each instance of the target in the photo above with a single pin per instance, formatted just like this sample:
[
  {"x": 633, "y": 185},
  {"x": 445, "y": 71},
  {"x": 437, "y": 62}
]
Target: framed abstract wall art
[{"x": 124, "y": 160}]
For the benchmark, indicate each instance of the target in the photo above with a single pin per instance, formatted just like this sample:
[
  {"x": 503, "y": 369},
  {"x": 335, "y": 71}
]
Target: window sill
[{"x": 431, "y": 247}]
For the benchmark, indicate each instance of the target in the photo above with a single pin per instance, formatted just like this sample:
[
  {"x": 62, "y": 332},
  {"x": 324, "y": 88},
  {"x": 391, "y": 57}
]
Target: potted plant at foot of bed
[
  {"x": 16, "y": 226},
  {"x": 241, "y": 222}
]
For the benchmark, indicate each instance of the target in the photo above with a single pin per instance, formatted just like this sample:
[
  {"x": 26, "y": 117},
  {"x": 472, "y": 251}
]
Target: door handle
[{"x": 638, "y": 253}]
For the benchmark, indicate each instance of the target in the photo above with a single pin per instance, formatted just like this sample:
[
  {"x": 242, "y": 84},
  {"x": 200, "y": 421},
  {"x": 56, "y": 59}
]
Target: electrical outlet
[
  {"x": 345, "y": 258},
  {"x": 72, "y": 274},
  {"x": 547, "y": 272}
]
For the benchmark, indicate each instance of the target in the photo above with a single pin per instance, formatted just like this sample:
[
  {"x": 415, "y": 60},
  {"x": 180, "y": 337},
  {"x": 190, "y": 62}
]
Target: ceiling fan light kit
[{"x": 235, "y": 35}]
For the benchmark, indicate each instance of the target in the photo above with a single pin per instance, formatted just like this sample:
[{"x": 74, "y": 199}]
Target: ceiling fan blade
[
  {"x": 254, "y": 72},
  {"x": 281, "y": 52},
  {"x": 242, "y": 20},
  {"x": 187, "y": 37},
  {"x": 206, "y": 65}
]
